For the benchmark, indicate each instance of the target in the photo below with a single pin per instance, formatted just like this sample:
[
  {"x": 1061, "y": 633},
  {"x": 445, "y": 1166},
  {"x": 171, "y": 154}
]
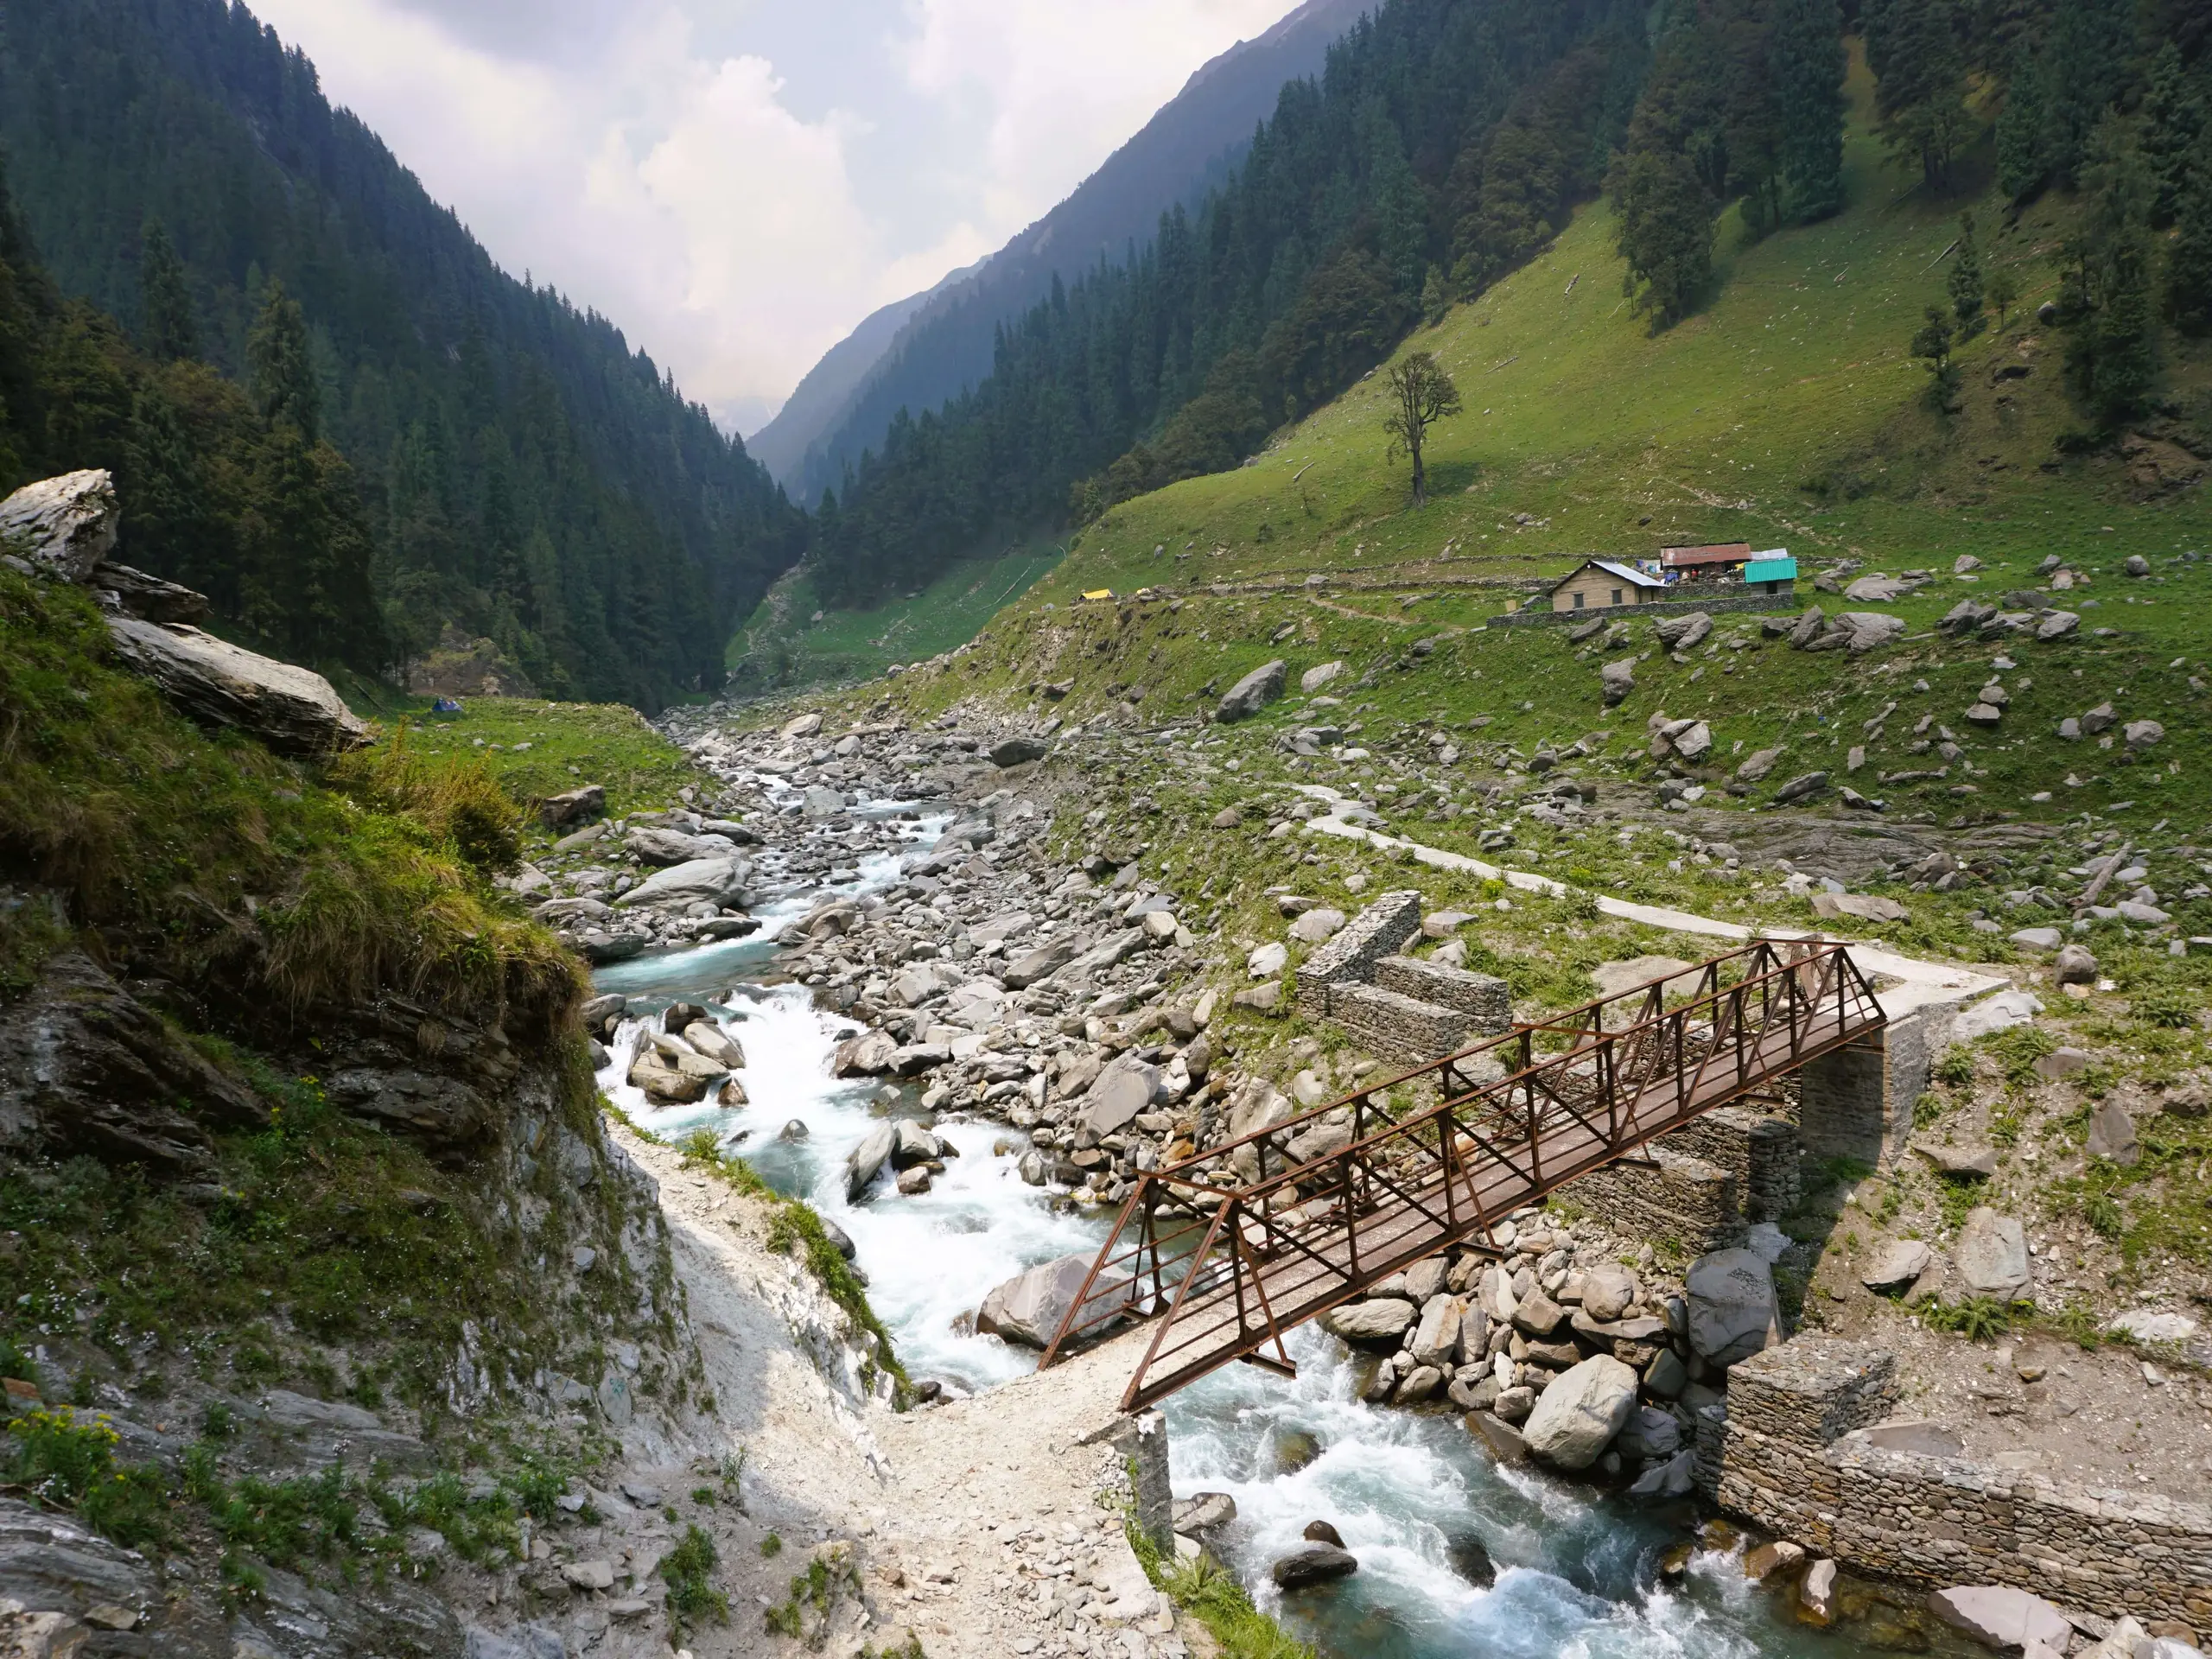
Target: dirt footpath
[{"x": 983, "y": 1527}]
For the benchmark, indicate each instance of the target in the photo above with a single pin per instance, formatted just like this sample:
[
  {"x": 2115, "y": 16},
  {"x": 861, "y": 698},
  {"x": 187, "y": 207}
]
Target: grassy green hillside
[
  {"x": 1788, "y": 413},
  {"x": 790, "y": 639}
]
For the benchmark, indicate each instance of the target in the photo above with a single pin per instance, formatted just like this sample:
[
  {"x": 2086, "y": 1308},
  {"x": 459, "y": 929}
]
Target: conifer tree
[
  {"x": 168, "y": 328},
  {"x": 1932, "y": 346},
  {"x": 1920, "y": 91},
  {"x": 1808, "y": 61},
  {"x": 1666, "y": 234},
  {"x": 1965, "y": 285},
  {"x": 281, "y": 366},
  {"x": 2188, "y": 259},
  {"x": 2106, "y": 302},
  {"x": 2173, "y": 121},
  {"x": 2022, "y": 166}
]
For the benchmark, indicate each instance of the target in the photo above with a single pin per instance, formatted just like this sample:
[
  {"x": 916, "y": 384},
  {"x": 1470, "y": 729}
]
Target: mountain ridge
[{"x": 945, "y": 343}]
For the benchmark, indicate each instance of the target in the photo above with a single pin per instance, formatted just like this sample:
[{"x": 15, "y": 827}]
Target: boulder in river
[
  {"x": 1314, "y": 1564},
  {"x": 1576, "y": 1418},
  {"x": 1999, "y": 1616},
  {"x": 713, "y": 880},
  {"x": 1378, "y": 1323},
  {"x": 865, "y": 1161},
  {"x": 1029, "y": 1307}
]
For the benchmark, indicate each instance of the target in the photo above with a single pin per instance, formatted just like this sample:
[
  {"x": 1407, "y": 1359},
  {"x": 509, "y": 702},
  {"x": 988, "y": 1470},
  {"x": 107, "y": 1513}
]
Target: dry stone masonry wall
[
  {"x": 1399, "y": 1006},
  {"x": 1790, "y": 1453}
]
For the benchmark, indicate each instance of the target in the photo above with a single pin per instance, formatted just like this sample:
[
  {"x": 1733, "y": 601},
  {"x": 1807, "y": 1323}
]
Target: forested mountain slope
[
  {"x": 946, "y": 345},
  {"x": 1358, "y": 198},
  {"x": 522, "y": 474}
]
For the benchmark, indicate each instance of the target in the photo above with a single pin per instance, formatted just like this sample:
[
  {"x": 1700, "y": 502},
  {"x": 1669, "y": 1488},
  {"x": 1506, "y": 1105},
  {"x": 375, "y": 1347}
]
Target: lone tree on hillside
[{"x": 1421, "y": 394}]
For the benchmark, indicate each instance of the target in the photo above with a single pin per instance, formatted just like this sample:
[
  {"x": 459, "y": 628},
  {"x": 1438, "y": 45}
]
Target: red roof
[{"x": 1724, "y": 553}]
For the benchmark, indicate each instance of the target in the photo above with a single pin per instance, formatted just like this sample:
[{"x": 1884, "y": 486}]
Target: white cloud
[{"x": 656, "y": 162}]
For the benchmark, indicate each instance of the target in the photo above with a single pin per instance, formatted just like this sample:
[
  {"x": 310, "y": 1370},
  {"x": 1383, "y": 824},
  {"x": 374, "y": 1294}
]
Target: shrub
[{"x": 686, "y": 1569}]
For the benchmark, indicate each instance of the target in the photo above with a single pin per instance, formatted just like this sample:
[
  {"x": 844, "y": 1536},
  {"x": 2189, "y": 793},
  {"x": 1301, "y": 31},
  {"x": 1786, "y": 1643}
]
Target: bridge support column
[
  {"x": 1858, "y": 1102},
  {"x": 1155, "y": 1497}
]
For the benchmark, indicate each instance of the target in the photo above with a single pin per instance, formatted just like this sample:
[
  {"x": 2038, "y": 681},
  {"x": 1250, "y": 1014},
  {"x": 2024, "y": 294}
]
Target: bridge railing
[{"x": 1256, "y": 1221}]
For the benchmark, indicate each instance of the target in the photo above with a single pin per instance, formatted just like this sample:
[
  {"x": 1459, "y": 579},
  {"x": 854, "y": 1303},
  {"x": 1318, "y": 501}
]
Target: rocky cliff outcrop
[{"x": 64, "y": 528}]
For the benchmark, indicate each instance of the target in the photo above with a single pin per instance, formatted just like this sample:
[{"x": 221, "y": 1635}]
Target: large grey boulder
[
  {"x": 148, "y": 598},
  {"x": 1617, "y": 679},
  {"x": 715, "y": 1044},
  {"x": 1043, "y": 963},
  {"x": 868, "y": 1054},
  {"x": 1576, "y": 1418},
  {"x": 1607, "y": 1289},
  {"x": 1254, "y": 692},
  {"x": 1990, "y": 1257},
  {"x": 1123, "y": 1090},
  {"x": 1018, "y": 751},
  {"x": 1379, "y": 1322},
  {"x": 293, "y": 710},
  {"x": 1902, "y": 1260},
  {"x": 1683, "y": 633},
  {"x": 865, "y": 1161},
  {"x": 1998, "y": 1616},
  {"x": 1029, "y": 1307},
  {"x": 1436, "y": 1340},
  {"x": 1870, "y": 629},
  {"x": 63, "y": 527},
  {"x": 656, "y": 845},
  {"x": 710, "y": 878},
  {"x": 1732, "y": 1311}
]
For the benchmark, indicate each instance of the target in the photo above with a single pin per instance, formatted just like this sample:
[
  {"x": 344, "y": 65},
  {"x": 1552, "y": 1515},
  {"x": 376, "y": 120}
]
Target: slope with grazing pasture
[{"x": 1789, "y": 412}]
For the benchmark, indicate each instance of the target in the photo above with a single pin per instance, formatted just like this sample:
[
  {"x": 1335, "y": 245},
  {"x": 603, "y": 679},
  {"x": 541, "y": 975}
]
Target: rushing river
[{"x": 1577, "y": 1572}]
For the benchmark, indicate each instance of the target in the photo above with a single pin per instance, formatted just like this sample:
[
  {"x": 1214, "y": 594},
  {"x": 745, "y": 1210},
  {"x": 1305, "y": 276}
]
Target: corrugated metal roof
[
  {"x": 1718, "y": 553},
  {"x": 1777, "y": 567},
  {"x": 1642, "y": 579}
]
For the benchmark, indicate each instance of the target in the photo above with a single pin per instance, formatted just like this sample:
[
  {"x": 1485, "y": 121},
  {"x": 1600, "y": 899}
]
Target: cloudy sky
[{"x": 737, "y": 182}]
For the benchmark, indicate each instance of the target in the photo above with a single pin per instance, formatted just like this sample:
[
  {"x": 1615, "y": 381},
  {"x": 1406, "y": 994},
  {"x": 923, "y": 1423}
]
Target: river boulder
[
  {"x": 1998, "y": 1616},
  {"x": 712, "y": 880},
  {"x": 1379, "y": 1322},
  {"x": 1731, "y": 1309},
  {"x": 1576, "y": 1418},
  {"x": 1027, "y": 1309},
  {"x": 865, "y": 1161},
  {"x": 1314, "y": 1564}
]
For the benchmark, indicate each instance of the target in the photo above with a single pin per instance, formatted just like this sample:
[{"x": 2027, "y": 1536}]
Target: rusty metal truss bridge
[{"x": 1226, "y": 1251}]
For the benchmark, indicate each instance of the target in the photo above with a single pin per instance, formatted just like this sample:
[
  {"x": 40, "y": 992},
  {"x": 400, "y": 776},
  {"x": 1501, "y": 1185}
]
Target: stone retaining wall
[
  {"x": 1486, "y": 1000},
  {"x": 1673, "y": 1196},
  {"x": 1531, "y": 617},
  {"x": 1349, "y": 958},
  {"x": 1760, "y": 1151},
  {"x": 1401, "y": 1028},
  {"x": 1793, "y": 1459}
]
